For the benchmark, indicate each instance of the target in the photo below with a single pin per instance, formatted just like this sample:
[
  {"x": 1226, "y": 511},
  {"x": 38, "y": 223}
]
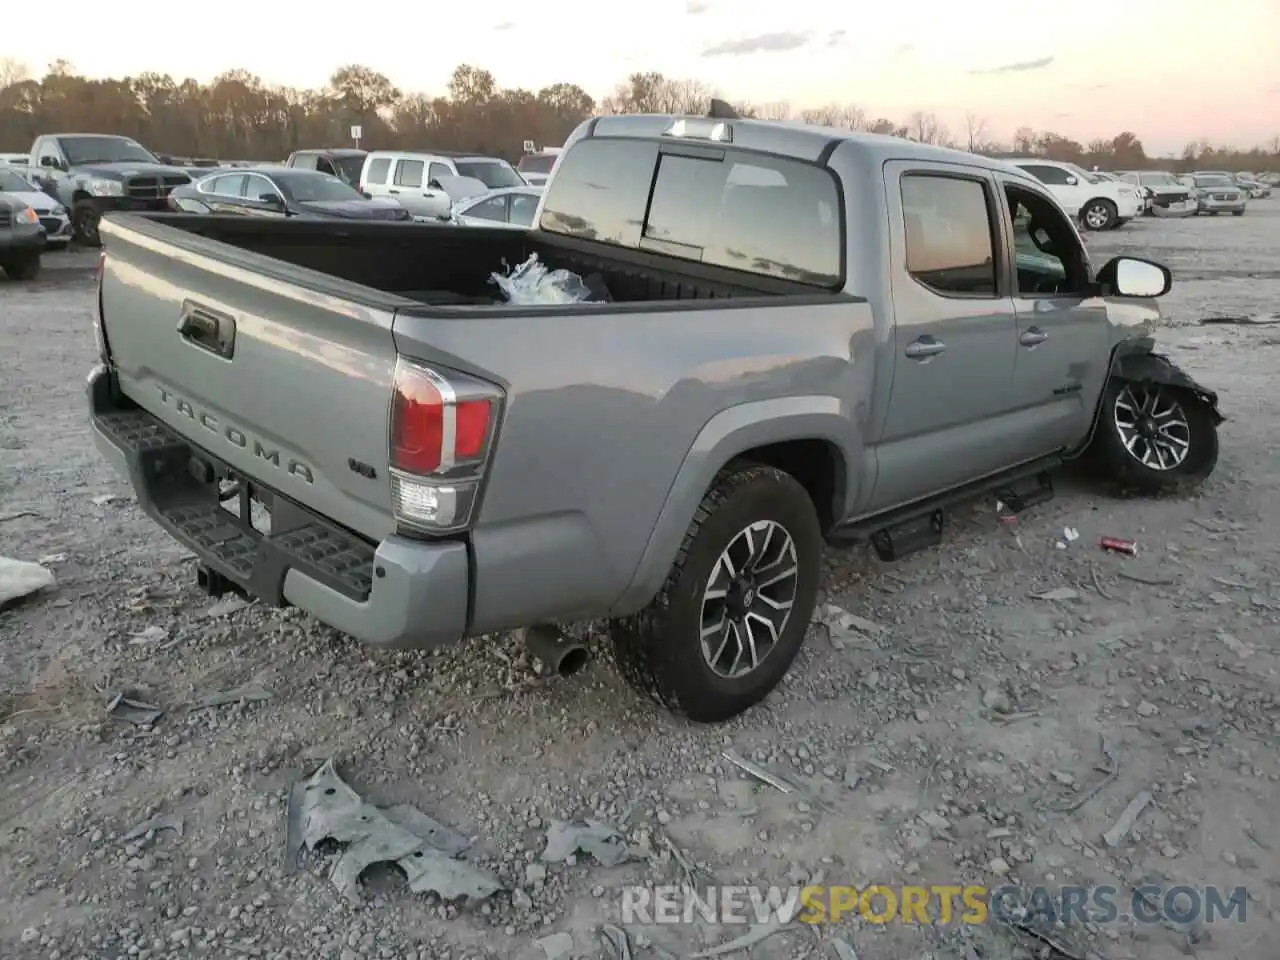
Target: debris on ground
[
  {"x": 844, "y": 950},
  {"x": 616, "y": 943},
  {"x": 842, "y": 626},
  {"x": 759, "y": 772},
  {"x": 149, "y": 635},
  {"x": 245, "y": 694},
  {"x": 558, "y": 946},
  {"x": 19, "y": 578},
  {"x": 169, "y": 821},
  {"x": 1058, "y": 594},
  {"x": 1120, "y": 829},
  {"x": 141, "y": 714},
  {"x": 1110, "y": 769},
  {"x": 17, "y": 515},
  {"x": 567, "y": 838},
  {"x": 757, "y": 934},
  {"x": 323, "y": 807},
  {"x": 1250, "y": 320},
  {"x": 231, "y": 603}
]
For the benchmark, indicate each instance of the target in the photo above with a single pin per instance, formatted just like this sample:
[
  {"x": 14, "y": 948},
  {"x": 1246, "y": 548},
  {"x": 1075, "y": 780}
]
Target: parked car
[
  {"x": 536, "y": 167},
  {"x": 1168, "y": 196},
  {"x": 419, "y": 180},
  {"x": 1100, "y": 204},
  {"x": 91, "y": 173},
  {"x": 513, "y": 207},
  {"x": 1256, "y": 189},
  {"x": 52, "y": 214},
  {"x": 1217, "y": 193},
  {"x": 345, "y": 163},
  {"x": 14, "y": 159},
  {"x": 777, "y": 361},
  {"x": 282, "y": 192},
  {"x": 21, "y": 239}
]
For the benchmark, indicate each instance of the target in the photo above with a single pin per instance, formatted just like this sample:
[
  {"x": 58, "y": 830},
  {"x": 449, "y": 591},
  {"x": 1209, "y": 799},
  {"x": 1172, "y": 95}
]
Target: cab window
[
  {"x": 949, "y": 234},
  {"x": 1049, "y": 258},
  {"x": 378, "y": 170}
]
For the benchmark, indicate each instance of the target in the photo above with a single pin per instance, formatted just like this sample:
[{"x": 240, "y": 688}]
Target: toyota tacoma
[{"x": 808, "y": 336}]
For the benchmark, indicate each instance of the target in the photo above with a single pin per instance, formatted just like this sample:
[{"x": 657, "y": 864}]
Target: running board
[{"x": 919, "y": 525}]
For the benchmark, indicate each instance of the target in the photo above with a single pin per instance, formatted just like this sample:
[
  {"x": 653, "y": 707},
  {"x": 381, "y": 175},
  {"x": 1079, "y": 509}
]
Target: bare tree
[
  {"x": 927, "y": 128},
  {"x": 12, "y": 70},
  {"x": 975, "y": 132}
]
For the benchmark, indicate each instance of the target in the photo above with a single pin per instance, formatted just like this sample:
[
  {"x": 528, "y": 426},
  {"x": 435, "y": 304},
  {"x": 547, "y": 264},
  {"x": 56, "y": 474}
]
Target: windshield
[
  {"x": 80, "y": 150},
  {"x": 538, "y": 163},
  {"x": 349, "y": 168},
  {"x": 13, "y": 182},
  {"x": 1163, "y": 179},
  {"x": 1213, "y": 180},
  {"x": 308, "y": 186},
  {"x": 494, "y": 174}
]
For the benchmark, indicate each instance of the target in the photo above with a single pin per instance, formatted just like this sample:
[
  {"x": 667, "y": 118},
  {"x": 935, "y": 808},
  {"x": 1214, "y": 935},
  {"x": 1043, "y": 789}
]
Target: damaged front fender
[{"x": 1140, "y": 365}]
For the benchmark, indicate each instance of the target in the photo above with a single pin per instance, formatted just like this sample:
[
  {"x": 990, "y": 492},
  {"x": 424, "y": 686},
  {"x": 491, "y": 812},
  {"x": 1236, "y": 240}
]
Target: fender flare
[{"x": 724, "y": 437}]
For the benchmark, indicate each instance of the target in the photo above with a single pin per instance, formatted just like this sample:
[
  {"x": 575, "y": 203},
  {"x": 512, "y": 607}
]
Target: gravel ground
[{"x": 966, "y": 721}]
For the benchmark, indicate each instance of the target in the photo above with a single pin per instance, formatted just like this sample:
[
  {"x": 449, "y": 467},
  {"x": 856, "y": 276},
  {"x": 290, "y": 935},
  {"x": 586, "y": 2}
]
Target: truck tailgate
[{"x": 283, "y": 374}]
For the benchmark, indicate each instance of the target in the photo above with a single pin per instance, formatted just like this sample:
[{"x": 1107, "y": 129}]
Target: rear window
[
  {"x": 759, "y": 214},
  {"x": 494, "y": 174},
  {"x": 537, "y": 163},
  {"x": 349, "y": 168}
]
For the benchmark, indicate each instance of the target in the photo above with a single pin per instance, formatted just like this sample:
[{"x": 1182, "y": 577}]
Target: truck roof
[
  {"x": 333, "y": 151},
  {"x": 799, "y": 140}
]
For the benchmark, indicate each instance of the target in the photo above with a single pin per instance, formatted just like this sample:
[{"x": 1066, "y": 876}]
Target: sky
[{"x": 1169, "y": 70}]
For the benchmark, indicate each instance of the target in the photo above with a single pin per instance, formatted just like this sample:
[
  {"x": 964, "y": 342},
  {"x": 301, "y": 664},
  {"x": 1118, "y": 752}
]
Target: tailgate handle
[{"x": 208, "y": 329}]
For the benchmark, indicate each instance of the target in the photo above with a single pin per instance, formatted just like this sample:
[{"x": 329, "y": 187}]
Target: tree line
[{"x": 238, "y": 117}]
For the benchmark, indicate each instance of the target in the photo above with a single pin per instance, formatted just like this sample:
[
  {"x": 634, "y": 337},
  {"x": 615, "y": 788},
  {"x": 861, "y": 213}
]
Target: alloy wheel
[
  {"x": 1152, "y": 426},
  {"x": 748, "y": 599}
]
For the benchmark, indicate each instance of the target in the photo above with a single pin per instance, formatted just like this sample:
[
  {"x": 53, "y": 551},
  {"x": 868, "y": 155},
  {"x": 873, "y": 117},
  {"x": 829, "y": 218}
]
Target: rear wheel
[
  {"x": 23, "y": 268},
  {"x": 1154, "y": 438},
  {"x": 1099, "y": 214},
  {"x": 733, "y": 612},
  {"x": 1237, "y": 213}
]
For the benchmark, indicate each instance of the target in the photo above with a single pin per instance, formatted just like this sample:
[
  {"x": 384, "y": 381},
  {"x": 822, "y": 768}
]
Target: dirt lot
[{"x": 968, "y": 722}]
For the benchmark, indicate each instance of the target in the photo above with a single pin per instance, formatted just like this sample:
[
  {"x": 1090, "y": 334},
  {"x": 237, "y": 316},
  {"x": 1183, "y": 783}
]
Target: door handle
[
  {"x": 924, "y": 348},
  {"x": 207, "y": 329},
  {"x": 1033, "y": 337},
  {"x": 393, "y": 191}
]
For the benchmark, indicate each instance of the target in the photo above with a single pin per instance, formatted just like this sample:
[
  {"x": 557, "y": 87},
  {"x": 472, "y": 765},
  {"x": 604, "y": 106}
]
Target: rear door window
[
  {"x": 409, "y": 173},
  {"x": 765, "y": 215},
  {"x": 378, "y": 170},
  {"x": 305, "y": 161}
]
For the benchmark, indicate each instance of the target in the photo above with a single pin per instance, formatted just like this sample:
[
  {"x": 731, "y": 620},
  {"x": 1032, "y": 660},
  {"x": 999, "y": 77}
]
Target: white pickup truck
[{"x": 1099, "y": 203}]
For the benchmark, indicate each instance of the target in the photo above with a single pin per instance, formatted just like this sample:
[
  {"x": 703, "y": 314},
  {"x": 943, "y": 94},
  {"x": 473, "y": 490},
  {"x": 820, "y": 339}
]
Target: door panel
[
  {"x": 954, "y": 333},
  {"x": 1063, "y": 337}
]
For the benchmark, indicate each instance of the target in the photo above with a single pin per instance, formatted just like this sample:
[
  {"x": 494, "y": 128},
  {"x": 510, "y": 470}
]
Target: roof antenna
[{"x": 720, "y": 110}]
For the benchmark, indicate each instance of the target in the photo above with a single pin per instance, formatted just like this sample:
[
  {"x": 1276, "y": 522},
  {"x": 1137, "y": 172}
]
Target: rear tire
[
  {"x": 1237, "y": 213},
  {"x": 1099, "y": 214},
  {"x": 1184, "y": 426},
  {"x": 665, "y": 651},
  {"x": 25, "y": 268}
]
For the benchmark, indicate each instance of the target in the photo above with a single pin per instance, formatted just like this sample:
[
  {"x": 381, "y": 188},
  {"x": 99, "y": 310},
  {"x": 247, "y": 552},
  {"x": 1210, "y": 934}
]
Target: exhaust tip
[
  {"x": 572, "y": 661},
  {"x": 561, "y": 654}
]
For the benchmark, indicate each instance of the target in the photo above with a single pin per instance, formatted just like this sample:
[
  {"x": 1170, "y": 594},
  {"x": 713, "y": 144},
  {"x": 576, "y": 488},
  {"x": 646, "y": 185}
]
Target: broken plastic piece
[
  {"x": 323, "y": 807},
  {"x": 565, "y": 838},
  {"x": 169, "y": 821},
  {"x": 250, "y": 691},
  {"x": 18, "y": 579},
  {"x": 133, "y": 711},
  {"x": 531, "y": 283}
]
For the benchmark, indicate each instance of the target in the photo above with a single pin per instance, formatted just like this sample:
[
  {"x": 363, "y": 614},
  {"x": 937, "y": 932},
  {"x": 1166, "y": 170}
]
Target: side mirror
[
  {"x": 271, "y": 200},
  {"x": 51, "y": 162},
  {"x": 1131, "y": 277},
  {"x": 1072, "y": 181},
  {"x": 366, "y": 194}
]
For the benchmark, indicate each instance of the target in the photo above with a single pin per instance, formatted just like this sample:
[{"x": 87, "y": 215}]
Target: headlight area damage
[{"x": 1157, "y": 368}]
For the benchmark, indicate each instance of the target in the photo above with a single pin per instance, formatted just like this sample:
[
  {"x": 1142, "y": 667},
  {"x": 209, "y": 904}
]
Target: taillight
[{"x": 441, "y": 433}]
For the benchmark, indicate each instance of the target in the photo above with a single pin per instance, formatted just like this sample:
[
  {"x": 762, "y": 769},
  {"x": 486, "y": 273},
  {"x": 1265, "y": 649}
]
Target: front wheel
[
  {"x": 1155, "y": 438},
  {"x": 85, "y": 219},
  {"x": 1099, "y": 214},
  {"x": 732, "y": 615},
  {"x": 1237, "y": 213}
]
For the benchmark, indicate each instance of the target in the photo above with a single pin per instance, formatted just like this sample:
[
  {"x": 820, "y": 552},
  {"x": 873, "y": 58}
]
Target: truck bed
[{"x": 450, "y": 265}]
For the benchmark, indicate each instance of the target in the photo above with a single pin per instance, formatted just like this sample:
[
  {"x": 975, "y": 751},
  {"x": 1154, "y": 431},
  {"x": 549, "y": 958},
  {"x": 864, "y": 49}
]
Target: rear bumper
[{"x": 398, "y": 593}]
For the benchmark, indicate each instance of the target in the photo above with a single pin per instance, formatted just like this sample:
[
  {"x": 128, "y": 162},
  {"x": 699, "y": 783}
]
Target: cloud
[
  {"x": 835, "y": 37},
  {"x": 505, "y": 25},
  {"x": 761, "y": 43},
  {"x": 695, "y": 7},
  {"x": 903, "y": 49},
  {"x": 1021, "y": 66}
]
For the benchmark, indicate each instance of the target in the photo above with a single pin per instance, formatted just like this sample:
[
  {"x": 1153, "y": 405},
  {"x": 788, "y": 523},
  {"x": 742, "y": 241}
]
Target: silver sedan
[{"x": 507, "y": 207}]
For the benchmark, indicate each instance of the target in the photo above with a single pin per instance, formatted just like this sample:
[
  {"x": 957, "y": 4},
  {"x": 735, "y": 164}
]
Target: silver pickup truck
[{"x": 811, "y": 335}]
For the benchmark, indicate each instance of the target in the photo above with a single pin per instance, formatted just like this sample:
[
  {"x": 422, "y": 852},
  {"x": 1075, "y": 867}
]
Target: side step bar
[{"x": 919, "y": 525}]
